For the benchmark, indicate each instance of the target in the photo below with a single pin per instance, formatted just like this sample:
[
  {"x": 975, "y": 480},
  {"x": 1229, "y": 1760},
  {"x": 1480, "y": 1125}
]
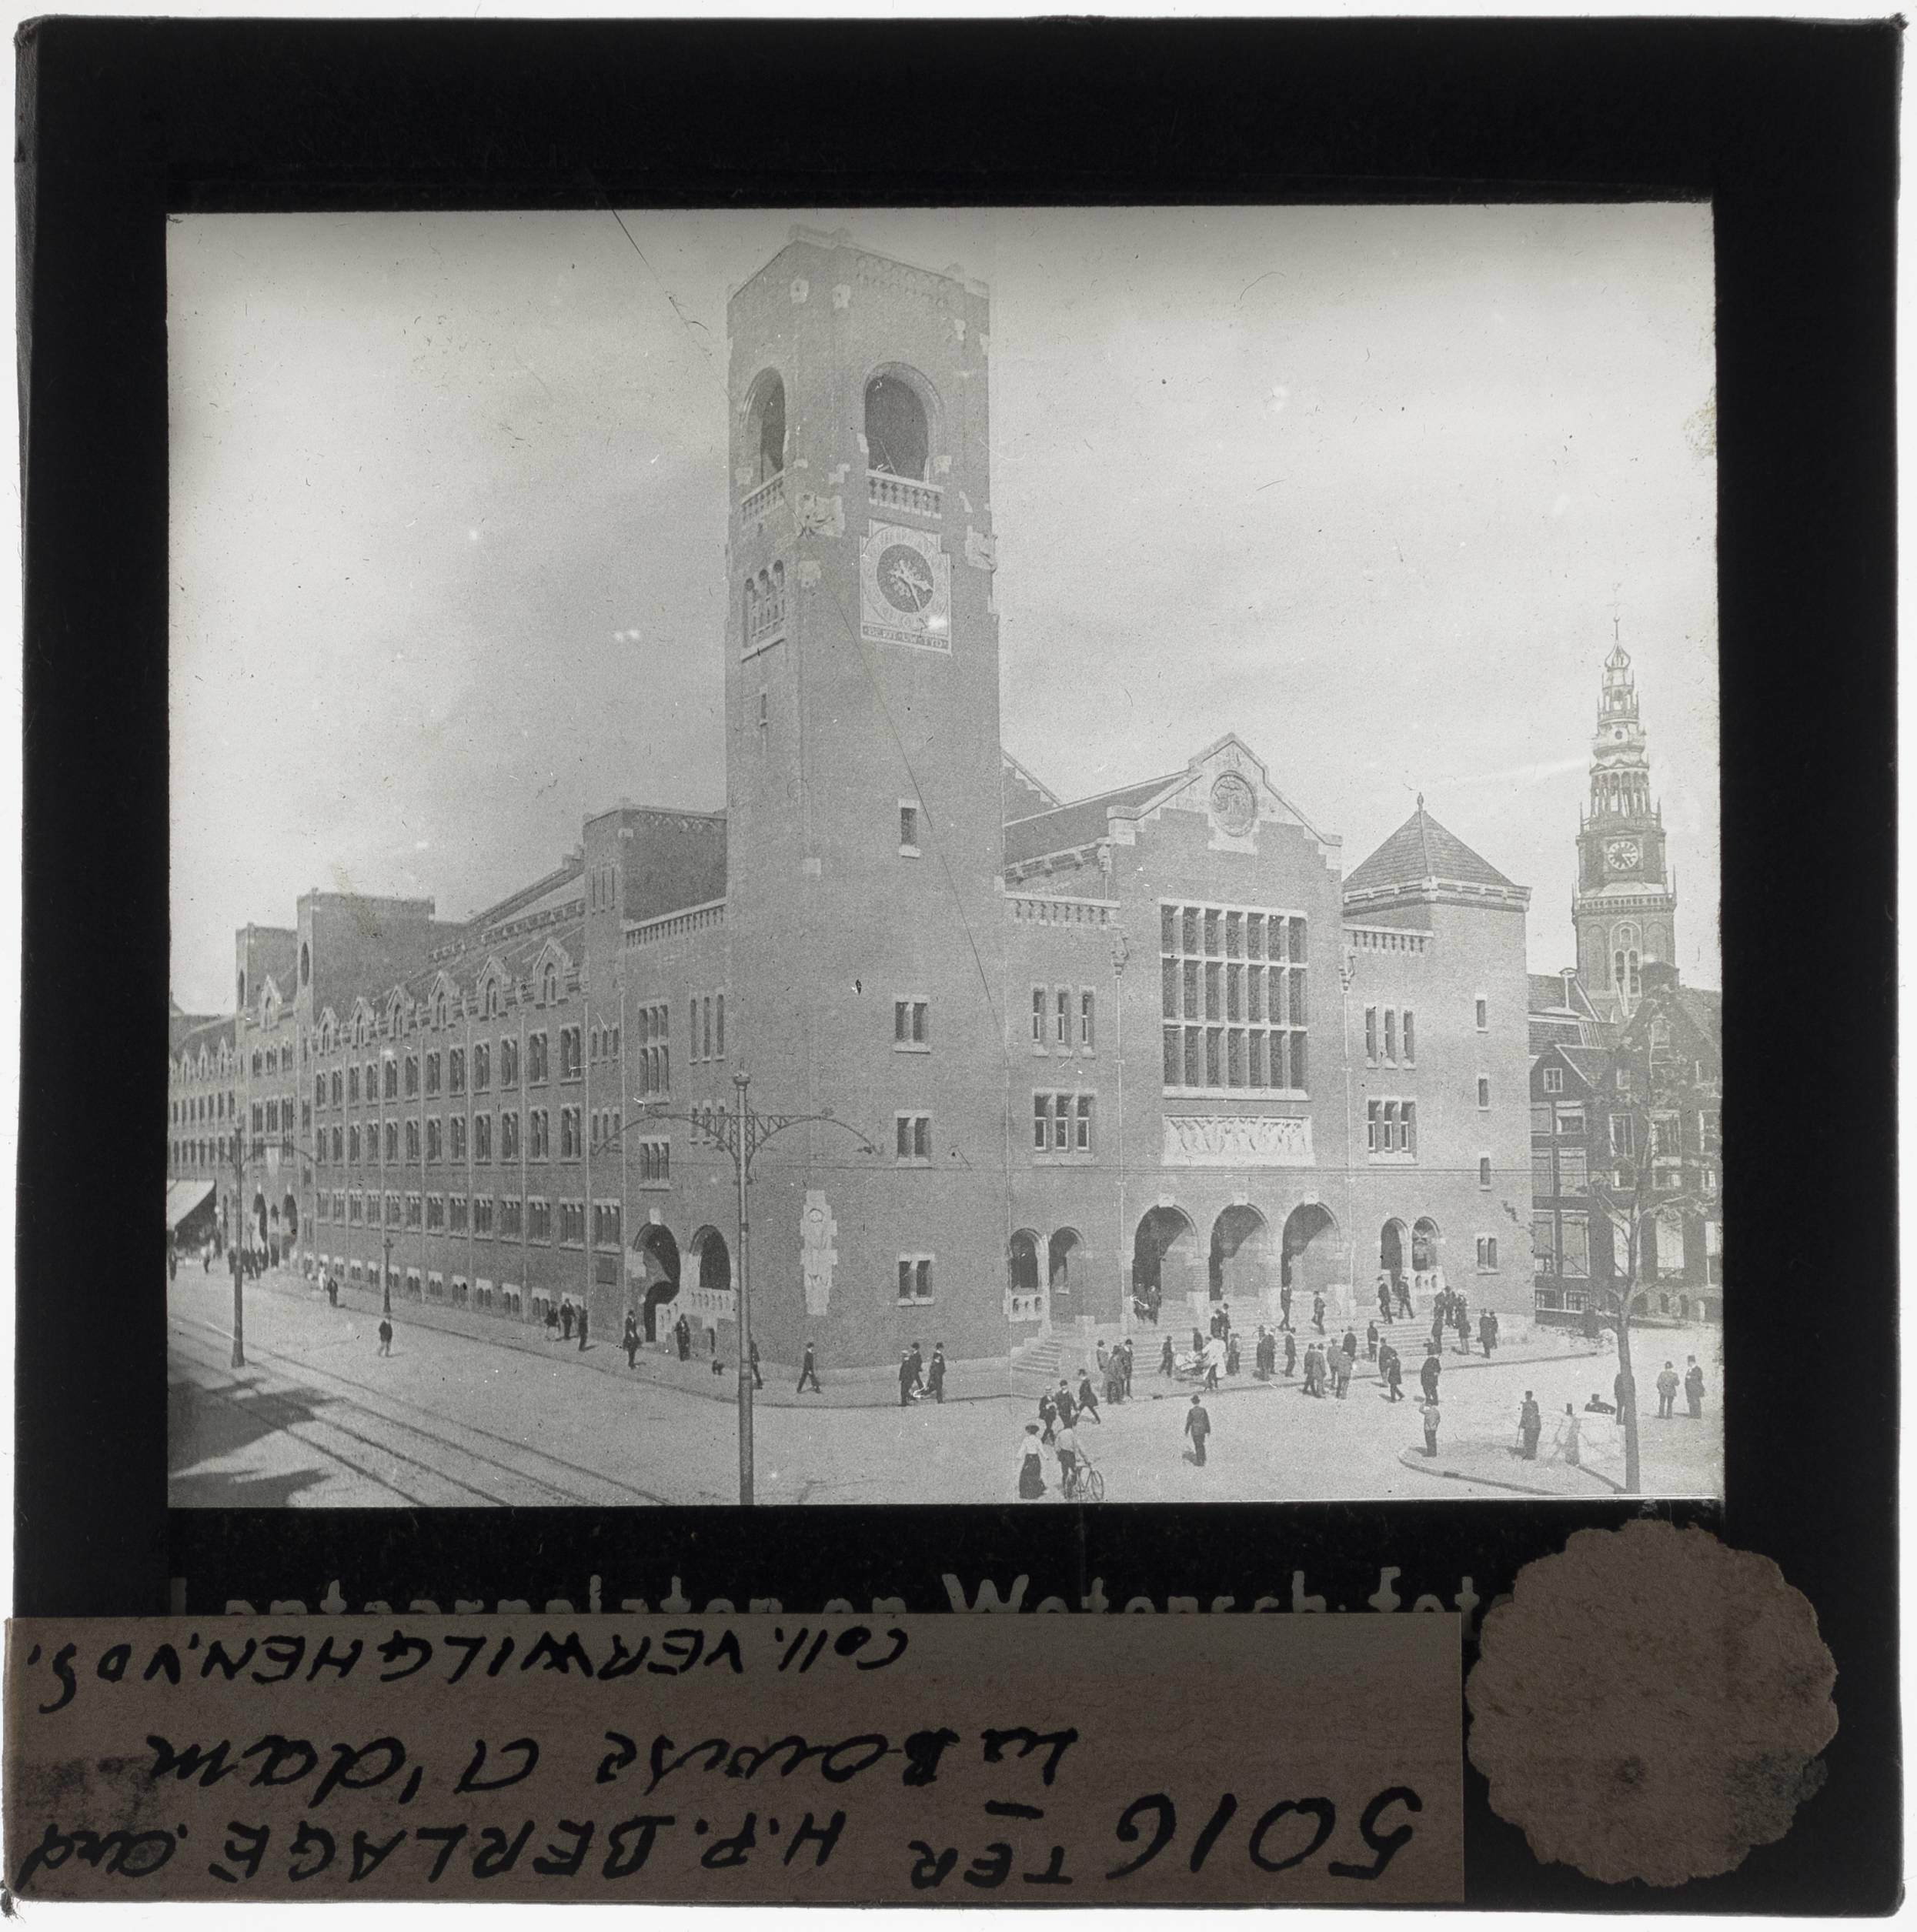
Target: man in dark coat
[
  {"x": 1404, "y": 1297},
  {"x": 1291, "y": 1353},
  {"x": 1385, "y": 1299},
  {"x": 629, "y": 1339},
  {"x": 1087, "y": 1399},
  {"x": 582, "y": 1328},
  {"x": 1198, "y": 1426},
  {"x": 1694, "y": 1388},
  {"x": 1428, "y": 1377},
  {"x": 566, "y": 1320},
  {"x": 1394, "y": 1371},
  {"x": 1284, "y": 1308},
  {"x": 808, "y": 1371},
  {"x": 1317, "y": 1312},
  {"x": 682, "y": 1335},
  {"x": 935, "y": 1375},
  {"x": 908, "y": 1378},
  {"x": 1531, "y": 1423}
]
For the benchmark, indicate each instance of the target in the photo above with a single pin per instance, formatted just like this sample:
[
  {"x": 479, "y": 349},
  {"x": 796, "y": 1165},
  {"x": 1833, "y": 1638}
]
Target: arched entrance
[
  {"x": 290, "y": 1219},
  {"x": 1424, "y": 1245},
  {"x": 1391, "y": 1241},
  {"x": 715, "y": 1260},
  {"x": 658, "y": 1254},
  {"x": 1060, "y": 1251},
  {"x": 1240, "y": 1260},
  {"x": 1162, "y": 1253},
  {"x": 1311, "y": 1250},
  {"x": 259, "y": 1220},
  {"x": 1021, "y": 1275}
]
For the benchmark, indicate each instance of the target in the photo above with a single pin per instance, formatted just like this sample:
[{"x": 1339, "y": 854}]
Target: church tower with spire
[{"x": 1625, "y": 907}]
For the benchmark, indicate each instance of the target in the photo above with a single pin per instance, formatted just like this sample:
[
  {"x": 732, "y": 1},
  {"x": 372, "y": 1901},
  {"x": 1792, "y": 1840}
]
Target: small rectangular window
[
  {"x": 1041, "y": 1122},
  {"x": 1085, "y": 1019},
  {"x": 1483, "y": 1015},
  {"x": 1370, "y": 1032},
  {"x": 908, "y": 828},
  {"x": 1487, "y": 1253},
  {"x": 1391, "y": 1032},
  {"x": 1411, "y": 1037},
  {"x": 719, "y": 1024},
  {"x": 1062, "y": 1017},
  {"x": 1553, "y": 1080},
  {"x": 1484, "y": 1170},
  {"x": 1084, "y": 1142},
  {"x": 1038, "y": 1018},
  {"x": 1374, "y": 1115},
  {"x": 1484, "y": 1091}
]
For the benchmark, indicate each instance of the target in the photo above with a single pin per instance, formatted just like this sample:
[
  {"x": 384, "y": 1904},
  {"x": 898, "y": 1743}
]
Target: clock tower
[{"x": 1625, "y": 907}]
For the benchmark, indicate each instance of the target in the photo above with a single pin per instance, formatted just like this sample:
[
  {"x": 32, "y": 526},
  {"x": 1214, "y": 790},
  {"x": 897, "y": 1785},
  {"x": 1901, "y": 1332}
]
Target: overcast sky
[{"x": 1366, "y": 486}]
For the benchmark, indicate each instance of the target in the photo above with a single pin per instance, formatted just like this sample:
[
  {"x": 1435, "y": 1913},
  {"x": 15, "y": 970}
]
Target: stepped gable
[{"x": 1420, "y": 850}]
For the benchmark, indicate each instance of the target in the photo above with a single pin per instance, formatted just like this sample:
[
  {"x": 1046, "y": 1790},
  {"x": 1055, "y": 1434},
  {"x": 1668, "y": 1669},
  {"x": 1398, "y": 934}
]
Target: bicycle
[{"x": 1084, "y": 1484}]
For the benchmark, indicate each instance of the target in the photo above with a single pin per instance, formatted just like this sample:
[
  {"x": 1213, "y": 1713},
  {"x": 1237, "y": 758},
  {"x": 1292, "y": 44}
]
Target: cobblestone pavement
[{"x": 319, "y": 1417}]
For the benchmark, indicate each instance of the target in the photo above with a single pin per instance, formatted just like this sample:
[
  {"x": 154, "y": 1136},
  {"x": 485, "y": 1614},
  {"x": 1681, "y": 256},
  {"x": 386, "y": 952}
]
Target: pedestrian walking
[
  {"x": 1487, "y": 1335},
  {"x": 628, "y": 1339},
  {"x": 583, "y": 1314},
  {"x": 1166, "y": 1361},
  {"x": 1341, "y": 1372},
  {"x": 1694, "y": 1388},
  {"x": 1430, "y": 1425},
  {"x": 1667, "y": 1390},
  {"x": 1437, "y": 1322},
  {"x": 1231, "y": 1358},
  {"x": 1087, "y": 1400},
  {"x": 1048, "y": 1415},
  {"x": 1284, "y": 1309},
  {"x": 751, "y": 1360},
  {"x": 682, "y": 1335},
  {"x": 1198, "y": 1426},
  {"x": 1067, "y": 1409},
  {"x": 565, "y": 1321},
  {"x": 1624, "y": 1393},
  {"x": 908, "y": 1381},
  {"x": 1428, "y": 1376},
  {"x": 386, "y": 1336},
  {"x": 1314, "y": 1371},
  {"x": 918, "y": 1370},
  {"x": 808, "y": 1373},
  {"x": 1530, "y": 1425},
  {"x": 1129, "y": 1353},
  {"x": 1371, "y": 1342},
  {"x": 1104, "y": 1359},
  {"x": 552, "y": 1321},
  {"x": 1385, "y": 1299},
  {"x": 1317, "y": 1312},
  {"x": 1403, "y": 1293},
  {"x": 332, "y": 1291},
  {"x": 1569, "y": 1436},
  {"x": 1393, "y": 1377},
  {"x": 1031, "y": 1463},
  {"x": 1291, "y": 1354},
  {"x": 935, "y": 1375}
]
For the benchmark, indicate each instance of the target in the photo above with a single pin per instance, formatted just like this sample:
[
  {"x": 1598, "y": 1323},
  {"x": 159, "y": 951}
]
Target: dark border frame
[{"x": 1790, "y": 127}]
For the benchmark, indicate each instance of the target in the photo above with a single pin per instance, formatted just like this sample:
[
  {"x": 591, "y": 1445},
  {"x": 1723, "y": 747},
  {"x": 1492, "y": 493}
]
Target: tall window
[
  {"x": 1391, "y": 1127},
  {"x": 908, "y": 828},
  {"x": 1062, "y": 1021},
  {"x": 1085, "y": 1018},
  {"x": 897, "y": 439},
  {"x": 911, "y": 1023},
  {"x": 1484, "y": 1170},
  {"x": 1391, "y": 1032},
  {"x": 914, "y": 1132},
  {"x": 1234, "y": 999},
  {"x": 1484, "y": 1091},
  {"x": 915, "y": 1277},
  {"x": 1487, "y": 1253},
  {"x": 769, "y": 430},
  {"x": 1553, "y": 1080}
]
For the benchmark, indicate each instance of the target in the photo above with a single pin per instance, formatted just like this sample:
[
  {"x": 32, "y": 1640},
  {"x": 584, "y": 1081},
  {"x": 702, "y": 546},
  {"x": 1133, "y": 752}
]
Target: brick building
[
  {"x": 1627, "y": 1064},
  {"x": 1119, "y": 1058}
]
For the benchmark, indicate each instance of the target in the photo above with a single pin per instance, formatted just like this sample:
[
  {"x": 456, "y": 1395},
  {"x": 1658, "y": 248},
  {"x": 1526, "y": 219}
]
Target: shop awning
[{"x": 181, "y": 1198}]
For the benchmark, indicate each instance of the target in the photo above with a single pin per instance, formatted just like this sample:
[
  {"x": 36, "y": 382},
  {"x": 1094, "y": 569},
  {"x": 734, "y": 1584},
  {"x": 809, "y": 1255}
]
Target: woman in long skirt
[{"x": 1031, "y": 1466}]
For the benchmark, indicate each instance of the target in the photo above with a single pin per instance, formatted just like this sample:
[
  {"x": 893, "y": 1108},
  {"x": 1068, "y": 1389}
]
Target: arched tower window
[
  {"x": 897, "y": 438},
  {"x": 766, "y": 448}
]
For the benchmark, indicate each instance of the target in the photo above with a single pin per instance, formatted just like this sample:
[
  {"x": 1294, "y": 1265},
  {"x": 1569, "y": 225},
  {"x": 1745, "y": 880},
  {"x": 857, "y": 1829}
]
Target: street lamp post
[
  {"x": 741, "y": 1132},
  {"x": 234, "y": 1249},
  {"x": 386, "y": 1277}
]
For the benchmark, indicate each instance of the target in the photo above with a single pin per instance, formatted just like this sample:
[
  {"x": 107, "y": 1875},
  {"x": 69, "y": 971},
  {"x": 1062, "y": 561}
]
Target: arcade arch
[
  {"x": 1310, "y": 1259},
  {"x": 658, "y": 1254},
  {"x": 1239, "y": 1264}
]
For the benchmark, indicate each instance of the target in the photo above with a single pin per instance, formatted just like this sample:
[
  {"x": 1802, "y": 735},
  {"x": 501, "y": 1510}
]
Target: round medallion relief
[{"x": 1234, "y": 803}]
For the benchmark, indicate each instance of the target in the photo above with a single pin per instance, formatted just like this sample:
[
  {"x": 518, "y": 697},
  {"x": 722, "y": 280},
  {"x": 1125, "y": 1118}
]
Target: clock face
[
  {"x": 1621, "y": 854},
  {"x": 1233, "y": 804},
  {"x": 905, "y": 578}
]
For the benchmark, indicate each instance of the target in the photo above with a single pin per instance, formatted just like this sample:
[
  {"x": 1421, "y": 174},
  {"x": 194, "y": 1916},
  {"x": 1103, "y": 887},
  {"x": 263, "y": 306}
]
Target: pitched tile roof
[
  {"x": 1421, "y": 848},
  {"x": 1069, "y": 826}
]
